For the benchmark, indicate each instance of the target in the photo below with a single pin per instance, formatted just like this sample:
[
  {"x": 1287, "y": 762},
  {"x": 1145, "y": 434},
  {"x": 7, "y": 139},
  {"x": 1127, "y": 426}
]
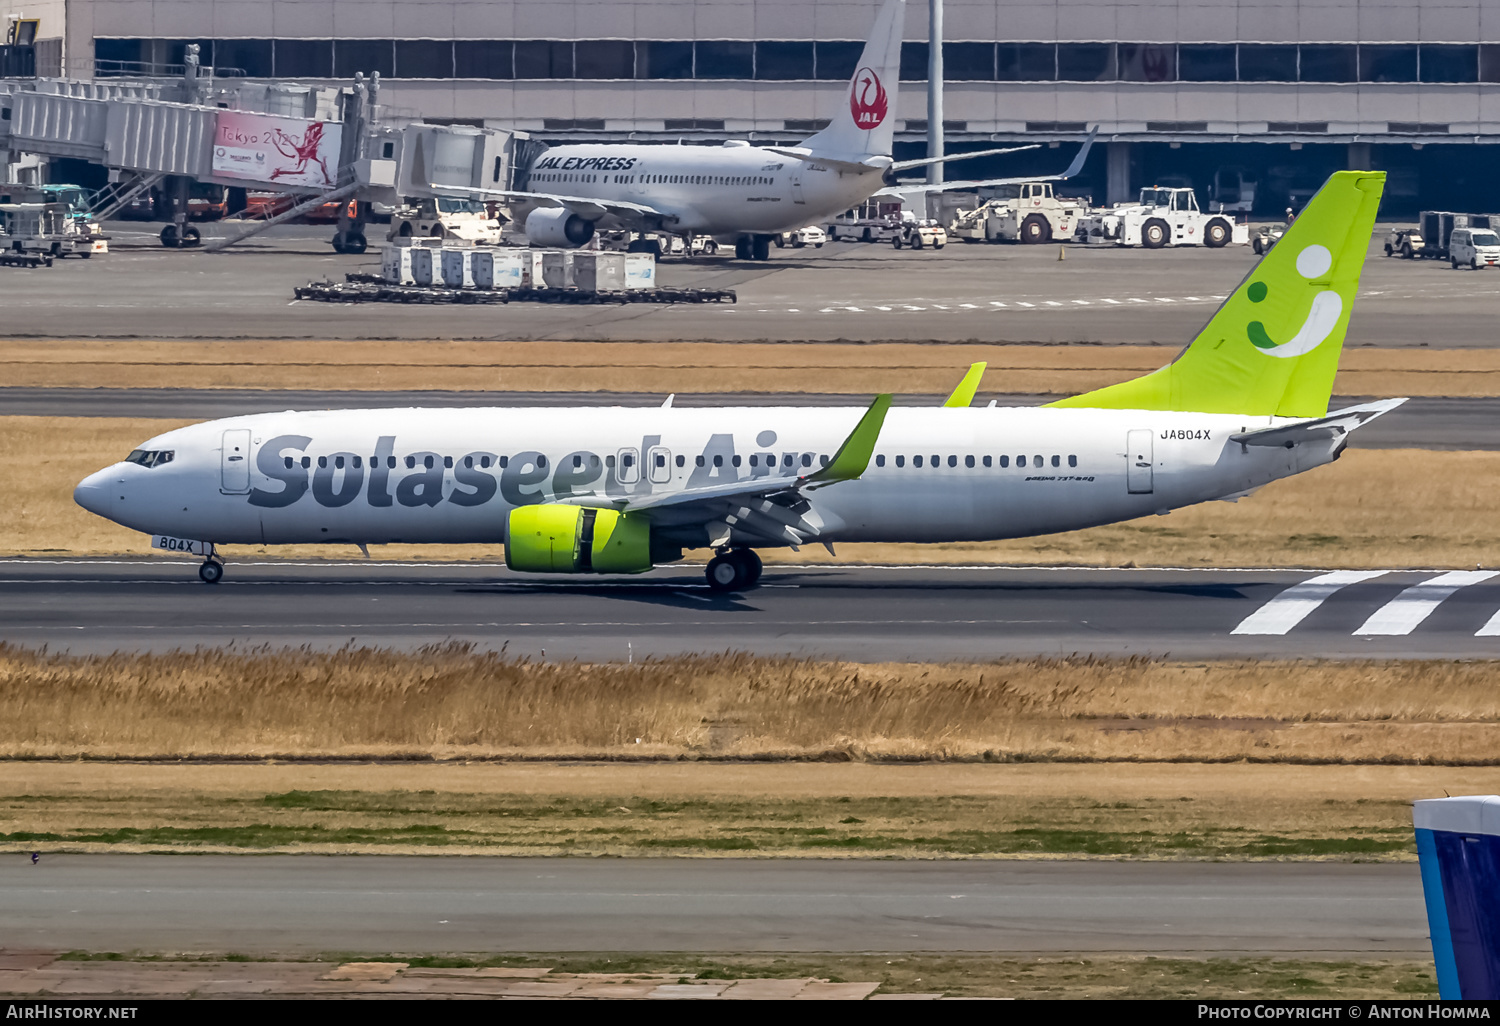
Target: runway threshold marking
[
  {"x": 1402, "y": 614},
  {"x": 1294, "y": 605}
]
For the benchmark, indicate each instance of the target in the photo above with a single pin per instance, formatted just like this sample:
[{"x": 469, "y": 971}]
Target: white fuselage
[
  {"x": 708, "y": 190},
  {"x": 453, "y": 475}
]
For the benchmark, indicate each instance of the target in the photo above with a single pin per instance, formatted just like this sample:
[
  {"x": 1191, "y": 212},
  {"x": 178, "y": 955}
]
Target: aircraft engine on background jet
[
  {"x": 550, "y": 538},
  {"x": 557, "y": 226}
]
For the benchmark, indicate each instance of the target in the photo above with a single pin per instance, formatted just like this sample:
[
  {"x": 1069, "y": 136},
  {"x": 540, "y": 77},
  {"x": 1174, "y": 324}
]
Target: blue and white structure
[{"x": 1458, "y": 844}]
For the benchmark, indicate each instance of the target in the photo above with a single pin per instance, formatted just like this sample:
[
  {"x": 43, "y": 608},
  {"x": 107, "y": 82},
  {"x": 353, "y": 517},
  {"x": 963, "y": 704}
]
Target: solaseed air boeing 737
[
  {"x": 741, "y": 192},
  {"x": 580, "y": 490}
]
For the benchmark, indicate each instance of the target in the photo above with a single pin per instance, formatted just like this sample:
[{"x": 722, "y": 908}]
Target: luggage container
[
  {"x": 458, "y": 268},
  {"x": 497, "y": 269},
  {"x": 557, "y": 268},
  {"x": 395, "y": 264},
  {"x": 599, "y": 272},
  {"x": 640, "y": 271},
  {"x": 531, "y": 268},
  {"x": 427, "y": 265}
]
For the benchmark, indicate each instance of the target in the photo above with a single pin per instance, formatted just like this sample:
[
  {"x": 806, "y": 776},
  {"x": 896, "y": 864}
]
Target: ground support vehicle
[
  {"x": 444, "y": 218},
  {"x": 1266, "y": 236},
  {"x": 871, "y": 221},
  {"x": 1473, "y": 248},
  {"x": 46, "y": 229},
  {"x": 927, "y": 234},
  {"x": 812, "y": 236},
  {"x": 54, "y": 219},
  {"x": 1437, "y": 228},
  {"x": 1033, "y": 214},
  {"x": 1163, "y": 217},
  {"x": 1405, "y": 241}
]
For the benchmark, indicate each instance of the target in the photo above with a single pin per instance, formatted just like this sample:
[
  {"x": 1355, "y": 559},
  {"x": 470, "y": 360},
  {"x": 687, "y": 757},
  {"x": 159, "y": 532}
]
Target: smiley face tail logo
[
  {"x": 1322, "y": 318},
  {"x": 867, "y": 100}
]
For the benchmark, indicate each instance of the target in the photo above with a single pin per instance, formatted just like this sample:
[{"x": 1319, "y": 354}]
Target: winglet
[
  {"x": 854, "y": 455},
  {"x": 1083, "y": 154},
  {"x": 963, "y": 395}
]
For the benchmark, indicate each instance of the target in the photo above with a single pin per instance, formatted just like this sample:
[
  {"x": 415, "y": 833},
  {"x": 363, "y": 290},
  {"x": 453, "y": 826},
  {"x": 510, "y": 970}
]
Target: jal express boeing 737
[
  {"x": 619, "y": 490},
  {"x": 739, "y": 192}
]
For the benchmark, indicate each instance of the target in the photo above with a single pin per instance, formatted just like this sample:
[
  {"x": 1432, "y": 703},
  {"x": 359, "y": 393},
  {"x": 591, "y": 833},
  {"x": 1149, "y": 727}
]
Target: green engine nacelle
[{"x": 557, "y": 539}]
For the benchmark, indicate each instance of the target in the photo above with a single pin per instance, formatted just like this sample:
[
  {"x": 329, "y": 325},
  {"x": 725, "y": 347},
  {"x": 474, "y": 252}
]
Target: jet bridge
[{"x": 318, "y": 143}]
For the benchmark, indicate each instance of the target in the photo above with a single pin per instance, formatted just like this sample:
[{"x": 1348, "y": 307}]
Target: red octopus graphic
[{"x": 302, "y": 152}]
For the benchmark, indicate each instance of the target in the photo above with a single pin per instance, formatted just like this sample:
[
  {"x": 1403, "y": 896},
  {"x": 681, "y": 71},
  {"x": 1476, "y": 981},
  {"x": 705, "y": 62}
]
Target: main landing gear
[
  {"x": 733, "y": 570},
  {"x": 212, "y": 568}
]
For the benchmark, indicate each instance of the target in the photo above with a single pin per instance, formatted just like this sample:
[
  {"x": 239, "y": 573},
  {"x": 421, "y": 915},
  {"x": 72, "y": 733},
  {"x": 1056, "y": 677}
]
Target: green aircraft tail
[{"x": 1273, "y": 348}]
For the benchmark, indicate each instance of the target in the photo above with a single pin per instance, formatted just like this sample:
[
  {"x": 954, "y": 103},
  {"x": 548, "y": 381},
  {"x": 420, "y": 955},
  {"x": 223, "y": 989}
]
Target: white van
[{"x": 1473, "y": 248}]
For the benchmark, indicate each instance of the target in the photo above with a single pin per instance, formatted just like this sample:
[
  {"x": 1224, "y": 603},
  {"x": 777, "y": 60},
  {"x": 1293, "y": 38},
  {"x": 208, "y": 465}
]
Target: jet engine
[
  {"x": 551, "y": 538},
  {"x": 557, "y": 226}
]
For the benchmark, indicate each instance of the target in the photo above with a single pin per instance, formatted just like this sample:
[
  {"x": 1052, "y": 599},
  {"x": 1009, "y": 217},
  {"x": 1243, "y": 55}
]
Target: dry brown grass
[
  {"x": 853, "y": 368},
  {"x": 452, "y": 702},
  {"x": 1360, "y": 512}
]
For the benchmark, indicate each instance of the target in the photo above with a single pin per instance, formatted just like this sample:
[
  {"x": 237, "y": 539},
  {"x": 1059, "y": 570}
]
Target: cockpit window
[{"x": 151, "y": 457}]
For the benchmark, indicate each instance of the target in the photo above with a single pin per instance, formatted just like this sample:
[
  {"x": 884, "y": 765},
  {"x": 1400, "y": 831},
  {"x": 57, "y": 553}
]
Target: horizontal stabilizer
[{"x": 1334, "y": 425}]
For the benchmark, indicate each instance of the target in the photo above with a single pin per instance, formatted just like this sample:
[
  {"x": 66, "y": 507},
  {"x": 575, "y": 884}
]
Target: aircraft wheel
[
  {"x": 752, "y": 565},
  {"x": 169, "y": 236},
  {"x": 355, "y": 242},
  {"x": 210, "y": 571},
  {"x": 725, "y": 573},
  {"x": 760, "y": 247},
  {"x": 742, "y": 248}
]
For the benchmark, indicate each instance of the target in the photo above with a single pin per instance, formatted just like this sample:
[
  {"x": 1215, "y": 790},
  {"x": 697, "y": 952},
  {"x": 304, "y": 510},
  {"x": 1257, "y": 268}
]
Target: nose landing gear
[
  {"x": 212, "y": 568},
  {"x": 733, "y": 570}
]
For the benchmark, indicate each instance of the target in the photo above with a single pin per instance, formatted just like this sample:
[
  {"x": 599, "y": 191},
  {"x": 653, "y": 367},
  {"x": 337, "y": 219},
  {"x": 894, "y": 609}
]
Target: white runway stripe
[
  {"x": 1294, "y": 605},
  {"x": 1402, "y": 614},
  {"x": 1491, "y": 627}
]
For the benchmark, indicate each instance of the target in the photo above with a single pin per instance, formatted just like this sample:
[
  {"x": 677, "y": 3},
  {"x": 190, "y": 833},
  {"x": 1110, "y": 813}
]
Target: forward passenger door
[{"x": 234, "y": 462}]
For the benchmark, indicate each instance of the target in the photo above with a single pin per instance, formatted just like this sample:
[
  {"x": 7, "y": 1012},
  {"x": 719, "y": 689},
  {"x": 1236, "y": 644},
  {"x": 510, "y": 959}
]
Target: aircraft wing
[
  {"x": 770, "y": 506},
  {"x": 590, "y": 208},
  {"x": 902, "y": 165},
  {"x": 902, "y": 188},
  {"x": 859, "y": 167},
  {"x": 1321, "y": 429}
]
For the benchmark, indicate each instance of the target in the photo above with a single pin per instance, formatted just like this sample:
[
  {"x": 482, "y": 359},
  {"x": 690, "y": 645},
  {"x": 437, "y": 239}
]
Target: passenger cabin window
[
  {"x": 1057, "y": 461},
  {"x": 953, "y": 461},
  {"x": 969, "y": 462},
  {"x": 1072, "y": 461},
  {"x": 900, "y": 461},
  {"x": 1020, "y": 461},
  {"x": 1004, "y": 462},
  {"x": 916, "y": 461},
  {"x": 987, "y": 461},
  {"x": 879, "y": 461}
]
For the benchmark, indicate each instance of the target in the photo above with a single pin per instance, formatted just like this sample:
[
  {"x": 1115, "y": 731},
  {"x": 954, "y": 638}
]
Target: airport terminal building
[{"x": 1279, "y": 92}]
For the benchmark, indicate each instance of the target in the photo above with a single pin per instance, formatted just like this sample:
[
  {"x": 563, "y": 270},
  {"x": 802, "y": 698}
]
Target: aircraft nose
[{"x": 95, "y": 493}]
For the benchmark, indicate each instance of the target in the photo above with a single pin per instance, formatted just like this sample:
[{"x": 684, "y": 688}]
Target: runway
[
  {"x": 388, "y": 904},
  {"x": 1423, "y": 423},
  {"x": 847, "y": 612}
]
